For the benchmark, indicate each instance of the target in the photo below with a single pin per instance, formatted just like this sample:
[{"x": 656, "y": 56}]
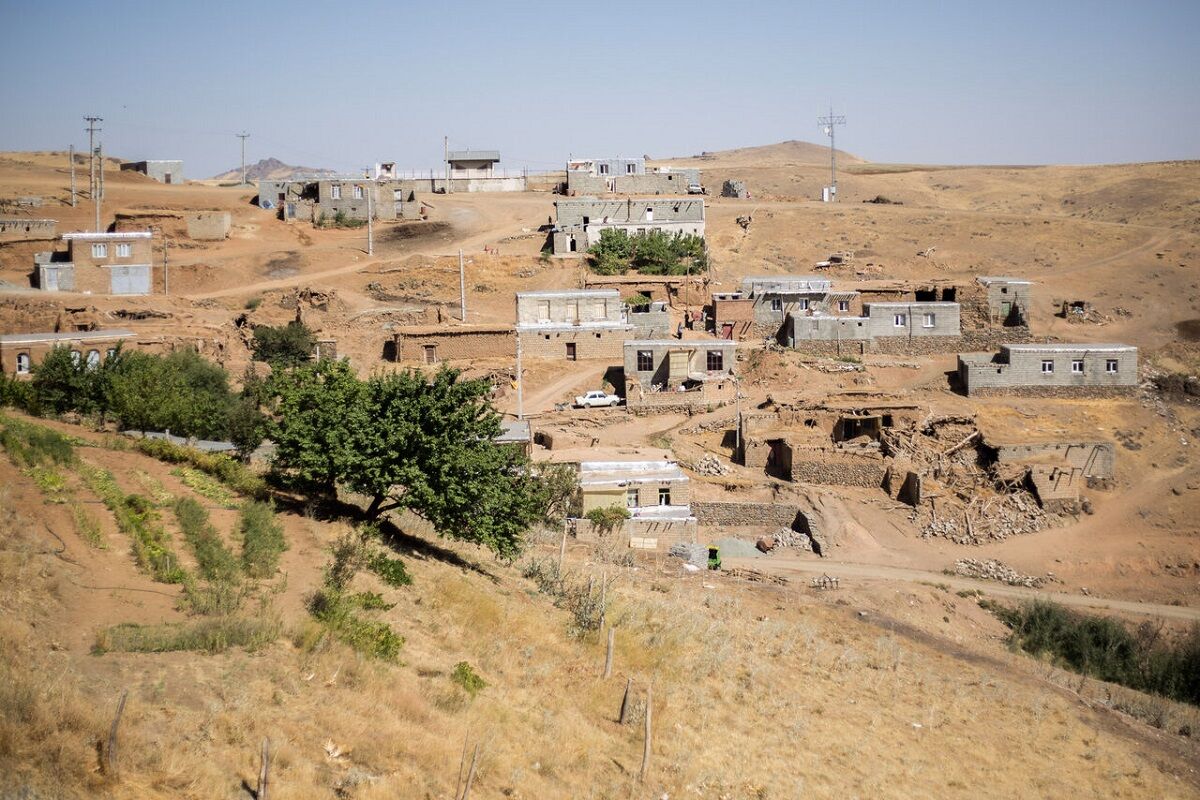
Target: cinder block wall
[
  {"x": 589, "y": 344},
  {"x": 456, "y": 346}
]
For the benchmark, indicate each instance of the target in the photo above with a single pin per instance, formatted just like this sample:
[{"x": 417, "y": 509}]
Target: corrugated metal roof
[{"x": 987, "y": 280}]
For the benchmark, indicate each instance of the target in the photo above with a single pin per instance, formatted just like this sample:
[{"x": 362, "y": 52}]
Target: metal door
[
  {"x": 50, "y": 279},
  {"x": 130, "y": 280}
]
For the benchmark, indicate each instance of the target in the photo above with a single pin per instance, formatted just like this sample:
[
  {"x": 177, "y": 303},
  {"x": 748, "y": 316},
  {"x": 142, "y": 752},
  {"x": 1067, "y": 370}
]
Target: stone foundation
[{"x": 1061, "y": 392}]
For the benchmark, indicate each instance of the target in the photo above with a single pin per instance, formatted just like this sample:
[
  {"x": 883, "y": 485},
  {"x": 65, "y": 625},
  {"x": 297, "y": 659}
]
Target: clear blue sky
[{"x": 342, "y": 85}]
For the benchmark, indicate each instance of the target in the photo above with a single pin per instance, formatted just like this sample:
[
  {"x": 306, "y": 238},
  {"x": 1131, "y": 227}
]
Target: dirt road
[{"x": 843, "y": 569}]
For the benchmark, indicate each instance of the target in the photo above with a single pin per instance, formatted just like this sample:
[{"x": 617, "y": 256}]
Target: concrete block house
[
  {"x": 657, "y": 495},
  {"x": 324, "y": 197},
  {"x": 669, "y": 375},
  {"x": 628, "y": 176},
  {"x": 580, "y": 221},
  {"x": 1056, "y": 370},
  {"x": 163, "y": 171}
]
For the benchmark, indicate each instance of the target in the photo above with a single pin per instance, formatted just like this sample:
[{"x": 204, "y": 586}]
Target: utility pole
[
  {"x": 462, "y": 287},
  {"x": 520, "y": 379},
  {"x": 828, "y": 123},
  {"x": 446, "y": 156},
  {"x": 92, "y": 130},
  {"x": 100, "y": 171},
  {"x": 370, "y": 219},
  {"x": 166, "y": 271},
  {"x": 71, "y": 155},
  {"x": 243, "y": 136}
]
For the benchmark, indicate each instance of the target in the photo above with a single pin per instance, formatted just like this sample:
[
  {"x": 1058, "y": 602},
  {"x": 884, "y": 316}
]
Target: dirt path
[{"x": 843, "y": 569}]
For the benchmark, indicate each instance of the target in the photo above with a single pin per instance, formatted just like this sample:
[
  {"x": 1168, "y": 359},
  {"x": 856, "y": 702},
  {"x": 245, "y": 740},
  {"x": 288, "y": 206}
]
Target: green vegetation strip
[
  {"x": 207, "y": 635},
  {"x": 137, "y": 518},
  {"x": 216, "y": 561},
  {"x": 262, "y": 539},
  {"x": 1145, "y": 659}
]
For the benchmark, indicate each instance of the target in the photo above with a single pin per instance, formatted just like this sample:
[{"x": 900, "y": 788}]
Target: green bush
[
  {"x": 1102, "y": 647},
  {"x": 465, "y": 676},
  {"x": 31, "y": 445},
  {"x": 653, "y": 253},
  {"x": 137, "y": 518},
  {"x": 262, "y": 539},
  {"x": 235, "y": 475},
  {"x": 607, "y": 519},
  {"x": 283, "y": 346},
  {"x": 390, "y": 570}
]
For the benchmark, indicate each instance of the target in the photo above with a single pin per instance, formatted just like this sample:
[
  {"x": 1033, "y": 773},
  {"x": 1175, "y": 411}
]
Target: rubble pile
[
  {"x": 695, "y": 554},
  {"x": 965, "y": 497},
  {"x": 993, "y": 570},
  {"x": 711, "y": 465},
  {"x": 786, "y": 537}
]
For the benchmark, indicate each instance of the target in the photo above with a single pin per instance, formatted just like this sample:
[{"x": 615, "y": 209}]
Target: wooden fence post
[
  {"x": 562, "y": 551},
  {"x": 624, "y": 715},
  {"x": 646, "y": 743},
  {"x": 470, "y": 775},
  {"x": 608, "y": 658},
  {"x": 264, "y": 771},
  {"x": 110, "y": 752}
]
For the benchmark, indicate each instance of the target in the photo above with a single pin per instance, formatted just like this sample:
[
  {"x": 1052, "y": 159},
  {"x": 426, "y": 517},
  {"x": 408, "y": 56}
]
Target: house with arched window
[{"x": 20, "y": 353}]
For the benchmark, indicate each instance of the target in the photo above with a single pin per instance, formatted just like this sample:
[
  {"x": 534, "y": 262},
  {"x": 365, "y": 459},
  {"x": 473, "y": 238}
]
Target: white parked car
[{"x": 597, "y": 399}]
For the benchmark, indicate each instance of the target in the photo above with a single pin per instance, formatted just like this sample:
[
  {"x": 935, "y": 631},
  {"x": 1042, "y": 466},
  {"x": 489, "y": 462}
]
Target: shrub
[
  {"x": 31, "y": 445},
  {"x": 215, "y": 560},
  {"x": 607, "y": 519},
  {"x": 137, "y": 519},
  {"x": 284, "y": 346},
  {"x": 390, "y": 570},
  {"x": 228, "y": 471},
  {"x": 262, "y": 539},
  {"x": 465, "y": 676},
  {"x": 206, "y": 486}
]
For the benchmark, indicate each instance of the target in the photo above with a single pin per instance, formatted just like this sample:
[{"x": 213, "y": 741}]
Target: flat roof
[
  {"x": 908, "y": 303},
  {"x": 682, "y": 343},
  {"x": 70, "y": 336},
  {"x": 989, "y": 279},
  {"x": 67, "y": 237},
  {"x": 570, "y": 293},
  {"x": 616, "y": 473},
  {"x": 513, "y": 431},
  {"x": 1056, "y": 347},
  {"x": 429, "y": 330},
  {"x": 473, "y": 155}
]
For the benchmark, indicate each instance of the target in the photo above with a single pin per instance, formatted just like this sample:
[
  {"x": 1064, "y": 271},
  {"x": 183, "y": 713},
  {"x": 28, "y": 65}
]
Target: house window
[
  {"x": 93, "y": 359},
  {"x": 22, "y": 363},
  {"x": 124, "y": 250},
  {"x": 99, "y": 251},
  {"x": 1047, "y": 366},
  {"x": 631, "y": 498},
  {"x": 843, "y": 305},
  {"x": 76, "y": 357},
  {"x": 1076, "y": 366},
  {"x": 645, "y": 360},
  {"x": 358, "y": 193},
  {"x": 777, "y": 304},
  {"x": 431, "y": 355},
  {"x": 1110, "y": 366},
  {"x": 603, "y": 168},
  {"x": 900, "y": 320},
  {"x": 928, "y": 320},
  {"x": 630, "y": 169},
  {"x": 112, "y": 351},
  {"x": 335, "y": 192},
  {"x": 716, "y": 361},
  {"x": 664, "y": 495},
  {"x": 804, "y": 304}
]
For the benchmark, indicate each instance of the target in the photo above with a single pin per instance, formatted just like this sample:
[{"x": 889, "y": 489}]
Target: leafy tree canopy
[{"x": 285, "y": 345}]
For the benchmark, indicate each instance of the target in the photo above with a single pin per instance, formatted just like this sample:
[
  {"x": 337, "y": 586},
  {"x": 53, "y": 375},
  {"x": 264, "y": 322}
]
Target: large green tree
[
  {"x": 409, "y": 441},
  {"x": 284, "y": 346},
  {"x": 180, "y": 392}
]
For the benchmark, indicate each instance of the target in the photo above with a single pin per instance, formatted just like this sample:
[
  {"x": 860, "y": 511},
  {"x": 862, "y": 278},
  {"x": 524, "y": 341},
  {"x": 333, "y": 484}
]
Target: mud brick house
[
  {"x": 832, "y": 443},
  {"x": 580, "y": 221},
  {"x": 573, "y": 325},
  {"x": 1055, "y": 370},
  {"x": 1058, "y": 470},
  {"x": 99, "y": 263},
  {"x": 434, "y": 344},
  {"x": 18, "y": 229},
  {"x": 628, "y": 176},
  {"x": 657, "y": 495},
  {"x": 21, "y": 352},
  {"x": 668, "y": 375}
]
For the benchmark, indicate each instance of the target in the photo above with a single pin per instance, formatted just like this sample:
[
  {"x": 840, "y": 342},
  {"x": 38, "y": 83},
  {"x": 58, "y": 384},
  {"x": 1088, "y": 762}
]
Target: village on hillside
[{"x": 894, "y": 396}]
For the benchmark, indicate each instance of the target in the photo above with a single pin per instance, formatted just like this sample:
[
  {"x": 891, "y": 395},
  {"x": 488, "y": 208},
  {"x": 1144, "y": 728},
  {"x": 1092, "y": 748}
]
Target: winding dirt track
[{"x": 845, "y": 569}]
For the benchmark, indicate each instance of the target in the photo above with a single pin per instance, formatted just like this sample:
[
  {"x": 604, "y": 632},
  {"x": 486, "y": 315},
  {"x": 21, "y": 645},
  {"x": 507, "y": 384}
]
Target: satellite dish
[{"x": 828, "y": 130}]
